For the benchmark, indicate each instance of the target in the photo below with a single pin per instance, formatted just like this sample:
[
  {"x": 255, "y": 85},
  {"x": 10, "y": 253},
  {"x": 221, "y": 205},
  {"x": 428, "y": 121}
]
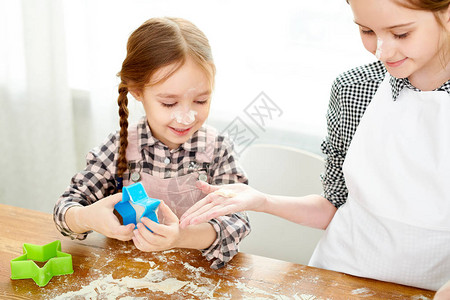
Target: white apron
[{"x": 395, "y": 225}]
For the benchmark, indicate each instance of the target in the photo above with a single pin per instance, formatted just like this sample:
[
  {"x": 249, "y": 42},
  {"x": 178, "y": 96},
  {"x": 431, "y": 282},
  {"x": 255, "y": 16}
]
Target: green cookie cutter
[{"x": 57, "y": 263}]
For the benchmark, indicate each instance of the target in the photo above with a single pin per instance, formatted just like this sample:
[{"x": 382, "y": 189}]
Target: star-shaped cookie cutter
[
  {"x": 135, "y": 204},
  {"x": 56, "y": 263}
]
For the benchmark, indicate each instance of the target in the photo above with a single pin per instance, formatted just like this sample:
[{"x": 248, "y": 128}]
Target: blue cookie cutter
[{"x": 136, "y": 202}]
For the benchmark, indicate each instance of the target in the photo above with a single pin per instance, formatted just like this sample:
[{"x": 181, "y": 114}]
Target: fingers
[
  {"x": 114, "y": 199},
  {"x": 147, "y": 240},
  {"x": 111, "y": 201},
  {"x": 202, "y": 211},
  {"x": 148, "y": 231},
  {"x": 123, "y": 233},
  {"x": 196, "y": 209},
  {"x": 214, "y": 192},
  {"x": 141, "y": 243},
  {"x": 169, "y": 216},
  {"x": 212, "y": 213},
  {"x": 148, "y": 227},
  {"x": 206, "y": 187}
]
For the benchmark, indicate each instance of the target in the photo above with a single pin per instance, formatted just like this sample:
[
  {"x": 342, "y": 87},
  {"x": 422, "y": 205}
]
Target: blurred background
[{"x": 58, "y": 84}]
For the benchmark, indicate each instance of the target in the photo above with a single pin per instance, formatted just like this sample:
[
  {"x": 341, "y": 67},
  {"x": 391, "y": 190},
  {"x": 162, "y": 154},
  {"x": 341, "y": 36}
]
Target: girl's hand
[
  {"x": 443, "y": 293},
  {"x": 164, "y": 236},
  {"x": 222, "y": 200},
  {"x": 99, "y": 217}
]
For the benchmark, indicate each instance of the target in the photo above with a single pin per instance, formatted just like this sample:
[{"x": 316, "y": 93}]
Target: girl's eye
[
  {"x": 201, "y": 102},
  {"x": 401, "y": 36},
  {"x": 369, "y": 32},
  {"x": 168, "y": 104}
]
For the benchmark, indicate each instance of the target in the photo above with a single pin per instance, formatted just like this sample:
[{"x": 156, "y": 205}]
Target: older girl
[{"x": 386, "y": 201}]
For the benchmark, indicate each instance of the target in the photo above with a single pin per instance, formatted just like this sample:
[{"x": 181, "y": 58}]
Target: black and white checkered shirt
[
  {"x": 351, "y": 93},
  {"x": 98, "y": 180}
]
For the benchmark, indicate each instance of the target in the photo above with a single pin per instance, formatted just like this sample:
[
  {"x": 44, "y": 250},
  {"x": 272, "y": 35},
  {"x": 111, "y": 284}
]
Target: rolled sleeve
[
  {"x": 335, "y": 189},
  {"x": 59, "y": 216},
  {"x": 230, "y": 229},
  {"x": 333, "y": 180}
]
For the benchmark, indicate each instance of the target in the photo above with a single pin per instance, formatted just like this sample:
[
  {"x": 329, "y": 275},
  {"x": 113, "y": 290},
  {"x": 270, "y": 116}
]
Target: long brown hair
[{"x": 158, "y": 42}]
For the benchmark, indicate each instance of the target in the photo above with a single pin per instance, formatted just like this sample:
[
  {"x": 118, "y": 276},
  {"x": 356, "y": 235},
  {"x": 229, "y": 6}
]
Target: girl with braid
[{"x": 169, "y": 69}]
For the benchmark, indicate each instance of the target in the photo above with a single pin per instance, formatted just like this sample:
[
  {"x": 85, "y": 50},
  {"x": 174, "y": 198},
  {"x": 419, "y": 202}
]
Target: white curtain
[{"x": 37, "y": 156}]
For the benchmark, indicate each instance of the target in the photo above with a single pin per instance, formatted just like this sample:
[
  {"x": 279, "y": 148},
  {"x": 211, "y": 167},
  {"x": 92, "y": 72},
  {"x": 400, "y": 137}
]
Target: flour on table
[
  {"x": 168, "y": 251},
  {"x": 298, "y": 297},
  {"x": 363, "y": 292},
  {"x": 197, "y": 271},
  {"x": 141, "y": 260},
  {"x": 420, "y": 297},
  {"x": 196, "y": 283},
  {"x": 205, "y": 291},
  {"x": 242, "y": 268},
  {"x": 305, "y": 297},
  {"x": 168, "y": 286},
  {"x": 104, "y": 286},
  {"x": 251, "y": 290},
  {"x": 112, "y": 288}
]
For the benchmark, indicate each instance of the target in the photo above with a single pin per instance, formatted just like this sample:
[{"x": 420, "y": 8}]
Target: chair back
[{"x": 287, "y": 171}]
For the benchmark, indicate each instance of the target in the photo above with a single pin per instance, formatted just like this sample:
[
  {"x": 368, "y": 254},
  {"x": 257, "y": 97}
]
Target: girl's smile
[
  {"x": 396, "y": 63},
  {"x": 180, "y": 131}
]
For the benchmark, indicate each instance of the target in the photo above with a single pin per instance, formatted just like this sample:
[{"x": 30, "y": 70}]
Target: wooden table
[{"x": 113, "y": 269}]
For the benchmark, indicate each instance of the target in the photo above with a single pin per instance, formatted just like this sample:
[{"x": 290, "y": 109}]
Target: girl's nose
[
  {"x": 379, "y": 50},
  {"x": 385, "y": 49},
  {"x": 185, "y": 116}
]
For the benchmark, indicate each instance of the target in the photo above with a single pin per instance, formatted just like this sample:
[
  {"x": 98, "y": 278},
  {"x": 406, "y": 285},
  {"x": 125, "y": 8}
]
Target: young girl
[
  {"x": 386, "y": 201},
  {"x": 169, "y": 68}
]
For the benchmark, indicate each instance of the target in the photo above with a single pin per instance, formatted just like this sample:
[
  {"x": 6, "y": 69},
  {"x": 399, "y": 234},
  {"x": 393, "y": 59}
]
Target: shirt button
[
  {"x": 203, "y": 177},
  {"x": 167, "y": 161},
  {"x": 135, "y": 176}
]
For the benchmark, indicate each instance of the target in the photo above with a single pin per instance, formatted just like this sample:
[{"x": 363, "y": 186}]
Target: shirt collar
[
  {"x": 146, "y": 139},
  {"x": 397, "y": 84},
  {"x": 197, "y": 143}
]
